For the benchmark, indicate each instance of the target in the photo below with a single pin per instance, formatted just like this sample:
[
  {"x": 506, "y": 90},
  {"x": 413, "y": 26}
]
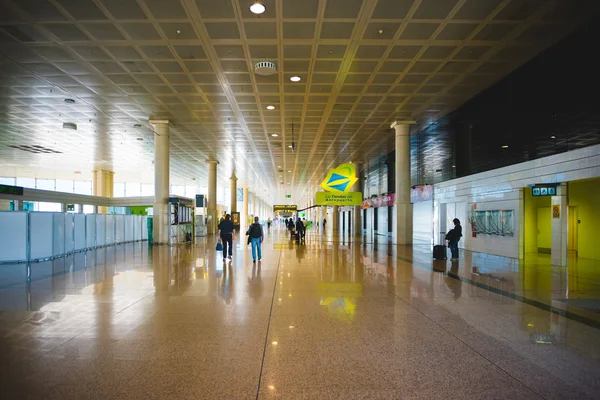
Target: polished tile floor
[{"x": 330, "y": 319}]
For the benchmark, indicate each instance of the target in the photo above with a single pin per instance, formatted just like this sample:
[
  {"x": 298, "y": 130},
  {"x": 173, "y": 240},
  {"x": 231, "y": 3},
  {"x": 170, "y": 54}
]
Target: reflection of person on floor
[
  {"x": 255, "y": 282},
  {"x": 453, "y": 281},
  {"x": 226, "y": 286},
  {"x": 453, "y": 237},
  {"x": 300, "y": 250}
]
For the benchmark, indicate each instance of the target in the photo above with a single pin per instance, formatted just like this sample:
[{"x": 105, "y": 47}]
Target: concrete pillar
[
  {"x": 560, "y": 226},
  {"x": 160, "y": 219},
  {"x": 403, "y": 231},
  {"x": 102, "y": 186},
  {"x": 211, "y": 211},
  {"x": 245, "y": 216},
  {"x": 357, "y": 216},
  {"x": 233, "y": 203}
]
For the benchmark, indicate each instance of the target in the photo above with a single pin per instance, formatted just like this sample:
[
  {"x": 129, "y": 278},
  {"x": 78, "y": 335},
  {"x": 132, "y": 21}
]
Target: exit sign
[{"x": 288, "y": 196}]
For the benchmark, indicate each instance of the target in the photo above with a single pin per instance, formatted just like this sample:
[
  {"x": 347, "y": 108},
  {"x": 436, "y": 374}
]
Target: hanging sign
[
  {"x": 421, "y": 193},
  {"x": 556, "y": 211},
  {"x": 285, "y": 208},
  {"x": 544, "y": 190},
  {"x": 340, "y": 179},
  {"x": 339, "y": 199},
  {"x": 387, "y": 200}
]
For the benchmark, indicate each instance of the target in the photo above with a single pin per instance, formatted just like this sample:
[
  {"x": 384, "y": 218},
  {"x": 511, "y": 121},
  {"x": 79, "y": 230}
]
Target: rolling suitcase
[{"x": 439, "y": 252}]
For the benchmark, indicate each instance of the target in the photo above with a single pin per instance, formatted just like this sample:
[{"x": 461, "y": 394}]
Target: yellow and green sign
[
  {"x": 340, "y": 179},
  {"x": 339, "y": 199},
  {"x": 285, "y": 208}
]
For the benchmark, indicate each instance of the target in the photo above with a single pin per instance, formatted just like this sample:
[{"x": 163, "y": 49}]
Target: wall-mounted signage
[
  {"x": 339, "y": 199},
  {"x": 200, "y": 200},
  {"x": 288, "y": 196},
  {"x": 387, "y": 200},
  {"x": 235, "y": 217},
  {"x": 285, "y": 208},
  {"x": 543, "y": 190},
  {"x": 421, "y": 193},
  {"x": 70, "y": 207},
  {"x": 340, "y": 179},
  {"x": 16, "y": 190},
  {"x": 556, "y": 211}
]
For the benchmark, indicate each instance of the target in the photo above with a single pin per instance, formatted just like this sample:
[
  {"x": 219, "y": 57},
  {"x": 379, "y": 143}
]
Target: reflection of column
[
  {"x": 403, "y": 231},
  {"x": 102, "y": 186},
  {"x": 560, "y": 220},
  {"x": 244, "y": 216},
  {"x": 212, "y": 196},
  {"x": 358, "y": 187},
  {"x": 160, "y": 219},
  {"x": 233, "y": 205},
  {"x": 335, "y": 219}
]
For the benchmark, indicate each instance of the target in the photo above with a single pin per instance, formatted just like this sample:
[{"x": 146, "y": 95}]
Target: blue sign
[{"x": 543, "y": 190}]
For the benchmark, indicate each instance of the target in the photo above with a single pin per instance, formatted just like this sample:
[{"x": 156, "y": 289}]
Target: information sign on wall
[
  {"x": 556, "y": 211},
  {"x": 339, "y": 199},
  {"x": 543, "y": 190}
]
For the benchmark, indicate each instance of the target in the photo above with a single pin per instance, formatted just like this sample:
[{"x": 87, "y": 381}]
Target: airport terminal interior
[{"x": 411, "y": 190}]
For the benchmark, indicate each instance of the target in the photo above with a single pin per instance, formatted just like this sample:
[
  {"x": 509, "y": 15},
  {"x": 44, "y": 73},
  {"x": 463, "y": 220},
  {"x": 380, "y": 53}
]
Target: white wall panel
[
  {"x": 13, "y": 236},
  {"x": 144, "y": 227},
  {"x": 100, "y": 230},
  {"x": 58, "y": 234},
  {"x": 41, "y": 234},
  {"x": 69, "y": 232},
  {"x": 120, "y": 228},
  {"x": 90, "y": 230},
  {"x": 110, "y": 229},
  {"x": 423, "y": 223},
  {"x": 80, "y": 231}
]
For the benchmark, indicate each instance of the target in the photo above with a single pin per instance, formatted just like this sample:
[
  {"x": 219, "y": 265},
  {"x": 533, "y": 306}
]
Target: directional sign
[{"x": 285, "y": 208}]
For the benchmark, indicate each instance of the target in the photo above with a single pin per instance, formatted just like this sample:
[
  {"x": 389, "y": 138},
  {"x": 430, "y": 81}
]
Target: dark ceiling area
[{"x": 547, "y": 106}]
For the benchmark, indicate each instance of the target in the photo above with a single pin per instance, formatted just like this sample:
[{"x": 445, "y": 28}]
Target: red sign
[{"x": 382, "y": 201}]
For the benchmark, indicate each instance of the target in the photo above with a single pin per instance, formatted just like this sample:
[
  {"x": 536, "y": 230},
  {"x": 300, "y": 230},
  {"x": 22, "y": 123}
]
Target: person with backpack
[
  {"x": 453, "y": 237},
  {"x": 226, "y": 234},
  {"x": 256, "y": 236}
]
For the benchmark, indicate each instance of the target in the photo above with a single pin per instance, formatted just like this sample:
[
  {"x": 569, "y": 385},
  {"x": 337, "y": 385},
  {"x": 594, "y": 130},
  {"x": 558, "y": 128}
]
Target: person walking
[
  {"x": 453, "y": 237},
  {"x": 324, "y": 223},
  {"x": 300, "y": 229},
  {"x": 226, "y": 235},
  {"x": 255, "y": 231}
]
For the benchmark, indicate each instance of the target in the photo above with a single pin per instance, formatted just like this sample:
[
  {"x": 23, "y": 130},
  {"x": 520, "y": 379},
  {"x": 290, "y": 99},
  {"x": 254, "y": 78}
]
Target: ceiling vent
[
  {"x": 70, "y": 125},
  {"x": 265, "y": 68},
  {"x": 36, "y": 149}
]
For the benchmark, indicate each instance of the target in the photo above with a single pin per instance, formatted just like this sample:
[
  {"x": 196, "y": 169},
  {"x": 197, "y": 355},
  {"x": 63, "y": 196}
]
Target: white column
[
  {"x": 560, "y": 226},
  {"x": 160, "y": 220},
  {"x": 212, "y": 196},
  {"x": 244, "y": 216},
  {"x": 403, "y": 231},
  {"x": 357, "y": 217},
  {"x": 233, "y": 203}
]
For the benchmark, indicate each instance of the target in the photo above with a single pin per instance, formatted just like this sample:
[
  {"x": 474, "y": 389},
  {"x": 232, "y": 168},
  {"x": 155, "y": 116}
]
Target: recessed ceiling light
[
  {"x": 257, "y": 8},
  {"x": 137, "y": 125},
  {"x": 295, "y": 78},
  {"x": 279, "y": 166},
  {"x": 454, "y": 166},
  {"x": 289, "y": 171},
  {"x": 274, "y": 134},
  {"x": 270, "y": 107},
  {"x": 139, "y": 139},
  {"x": 290, "y": 146},
  {"x": 505, "y": 147},
  {"x": 69, "y": 101},
  {"x": 552, "y": 137}
]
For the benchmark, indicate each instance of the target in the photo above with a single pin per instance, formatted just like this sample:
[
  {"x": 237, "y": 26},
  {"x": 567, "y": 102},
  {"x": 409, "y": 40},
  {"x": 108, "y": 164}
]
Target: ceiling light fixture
[
  {"x": 552, "y": 137},
  {"x": 137, "y": 125},
  {"x": 274, "y": 134},
  {"x": 69, "y": 101},
  {"x": 295, "y": 79},
  {"x": 270, "y": 107},
  {"x": 505, "y": 147},
  {"x": 257, "y": 8},
  {"x": 70, "y": 125},
  {"x": 140, "y": 139}
]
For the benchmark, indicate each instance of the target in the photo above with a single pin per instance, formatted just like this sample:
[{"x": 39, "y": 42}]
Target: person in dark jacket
[
  {"x": 226, "y": 234},
  {"x": 255, "y": 231},
  {"x": 300, "y": 228},
  {"x": 453, "y": 237}
]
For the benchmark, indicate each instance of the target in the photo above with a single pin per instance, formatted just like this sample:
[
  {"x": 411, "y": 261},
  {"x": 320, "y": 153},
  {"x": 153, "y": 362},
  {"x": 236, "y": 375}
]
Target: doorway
[
  {"x": 544, "y": 227},
  {"x": 572, "y": 229}
]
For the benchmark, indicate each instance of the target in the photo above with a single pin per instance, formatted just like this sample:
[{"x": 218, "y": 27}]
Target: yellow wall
[
  {"x": 585, "y": 195},
  {"x": 538, "y": 222},
  {"x": 530, "y": 228},
  {"x": 544, "y": 226}
]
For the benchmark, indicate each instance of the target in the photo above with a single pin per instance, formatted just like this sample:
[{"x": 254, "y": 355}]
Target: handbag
[{"x": 219, "y": 246}]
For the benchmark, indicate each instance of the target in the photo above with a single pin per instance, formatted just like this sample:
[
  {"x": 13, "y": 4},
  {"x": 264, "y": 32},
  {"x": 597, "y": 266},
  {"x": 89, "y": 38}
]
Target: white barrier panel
[
  {"x": 90, "y": 230},
  {"x": 100, "y": 230},
  {"x": 135, "y": 227},
  {"x": 13, "y": 236},
  {"x": 110, "y": 229},
  {"x": 144, "y": 227},
  {"x": 58, "y": 234},
  {"x": 69, "y": 233},
  {"x": 41, "y": 234},
  {"x": 80, "y": 231},
  {"x": 119, "y": 228}
]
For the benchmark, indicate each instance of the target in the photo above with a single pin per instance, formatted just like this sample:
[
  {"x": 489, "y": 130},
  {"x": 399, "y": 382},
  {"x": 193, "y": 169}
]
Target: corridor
[{"x": 326, "y": 320}]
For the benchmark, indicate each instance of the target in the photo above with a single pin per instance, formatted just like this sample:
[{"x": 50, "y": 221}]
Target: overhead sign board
[
  {"x": 288, "y": 196},
  {"x": 382, "y": 201},
  {"x": 543, "y": 190},
  {"x": 339, "y": 199},
  {"x": 16, "y": 190},
  {"x": 285, "y": 208},
  {"x": 340, "y": 179}
]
